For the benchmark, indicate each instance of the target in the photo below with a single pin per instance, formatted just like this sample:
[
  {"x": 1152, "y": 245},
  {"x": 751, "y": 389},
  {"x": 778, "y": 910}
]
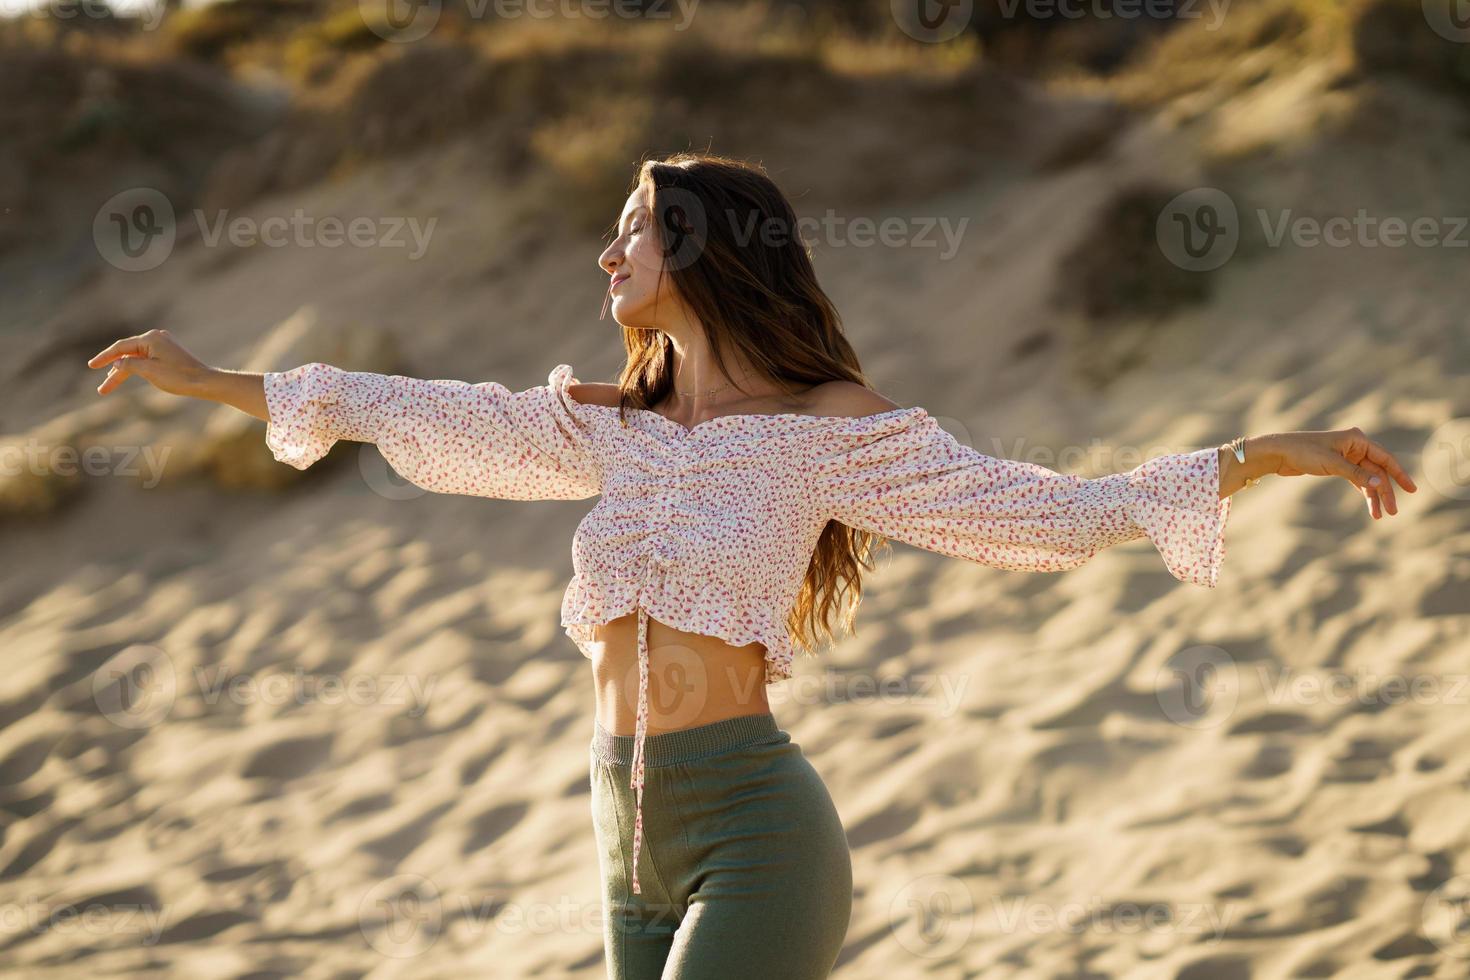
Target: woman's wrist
[
  {"x": 202, "y": 382},
  {"x": 244, "y": 390},
  {"x": 1262, "y": 458},
  {"x": 1263, "y": 455}
]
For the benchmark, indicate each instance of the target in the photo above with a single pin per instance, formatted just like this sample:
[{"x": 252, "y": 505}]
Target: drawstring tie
[
  {"x": 639, "y": 731},
  {"x": 659, "y": 563}
]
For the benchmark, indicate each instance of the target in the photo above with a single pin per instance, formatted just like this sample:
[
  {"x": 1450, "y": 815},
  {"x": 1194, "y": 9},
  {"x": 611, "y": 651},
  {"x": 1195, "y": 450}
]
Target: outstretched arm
[
  {"x": 899, "y": 474},
  {"x": 441, "y": 435}
]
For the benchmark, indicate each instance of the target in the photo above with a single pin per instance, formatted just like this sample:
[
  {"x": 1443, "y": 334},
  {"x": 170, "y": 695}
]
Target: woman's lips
[{"x": 618, "y": 281}]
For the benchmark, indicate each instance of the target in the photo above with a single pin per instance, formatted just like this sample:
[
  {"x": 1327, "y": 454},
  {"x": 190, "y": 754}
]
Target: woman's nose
[{"x": 609, "y": 260}]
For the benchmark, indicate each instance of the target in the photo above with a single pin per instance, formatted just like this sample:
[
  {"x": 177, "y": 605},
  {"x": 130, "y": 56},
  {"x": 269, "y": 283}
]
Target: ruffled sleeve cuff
[
  {"x": 571, "y": 415},
  {"x": 1176, "y": 500},
  {"x": 297, "y": 402}
]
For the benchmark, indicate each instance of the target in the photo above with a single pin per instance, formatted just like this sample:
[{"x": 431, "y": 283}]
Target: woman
[{"x": 746, "y": 472}]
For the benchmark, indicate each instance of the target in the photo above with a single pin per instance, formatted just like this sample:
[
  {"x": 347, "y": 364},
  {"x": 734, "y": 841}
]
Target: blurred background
[{"x": 259, "y": 722}]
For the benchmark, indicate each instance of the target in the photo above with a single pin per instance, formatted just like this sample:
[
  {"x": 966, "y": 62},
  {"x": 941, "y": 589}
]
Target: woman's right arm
[{"x": 444, "y": 436}]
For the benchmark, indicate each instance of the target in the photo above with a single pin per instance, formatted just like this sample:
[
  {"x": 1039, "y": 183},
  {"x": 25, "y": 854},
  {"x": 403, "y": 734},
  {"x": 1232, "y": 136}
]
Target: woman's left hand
[{"x": 1347, "y": 453}]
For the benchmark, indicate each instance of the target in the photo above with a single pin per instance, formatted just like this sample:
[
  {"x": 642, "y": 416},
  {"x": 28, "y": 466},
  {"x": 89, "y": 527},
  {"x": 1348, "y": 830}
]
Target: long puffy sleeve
[
  {"x": 901, "y": 475},
  {"x": 444, "y": 436}
]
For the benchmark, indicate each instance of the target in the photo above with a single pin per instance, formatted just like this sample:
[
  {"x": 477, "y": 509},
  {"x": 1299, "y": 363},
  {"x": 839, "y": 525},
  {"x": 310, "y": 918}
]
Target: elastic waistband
[{"x": 685, "y": 745}]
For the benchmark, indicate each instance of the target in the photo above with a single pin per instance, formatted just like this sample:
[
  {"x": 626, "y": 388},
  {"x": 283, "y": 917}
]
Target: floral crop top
[{"x": 711, "y": 529}]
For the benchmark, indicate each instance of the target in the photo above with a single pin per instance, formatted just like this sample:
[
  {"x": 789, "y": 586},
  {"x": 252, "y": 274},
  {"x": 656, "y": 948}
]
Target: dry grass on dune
[{"x": 1258, "y": 39}]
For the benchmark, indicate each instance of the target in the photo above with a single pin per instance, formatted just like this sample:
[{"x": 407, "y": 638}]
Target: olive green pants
[{"x": 744, "y": 869}]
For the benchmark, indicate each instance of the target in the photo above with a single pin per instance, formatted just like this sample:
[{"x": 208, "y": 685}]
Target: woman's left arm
[
  {"x": 900, "y": 475},
  {"x": 1347, "y": 453}
]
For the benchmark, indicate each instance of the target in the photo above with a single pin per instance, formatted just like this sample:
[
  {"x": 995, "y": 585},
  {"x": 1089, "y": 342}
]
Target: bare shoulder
[
  {"x": 595, "y": 393},
  {"x": 849, "y": 399}
]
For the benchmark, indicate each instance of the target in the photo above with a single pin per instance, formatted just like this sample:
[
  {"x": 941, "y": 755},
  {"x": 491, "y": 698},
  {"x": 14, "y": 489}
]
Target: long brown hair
[{"x": 754, "y": 292}]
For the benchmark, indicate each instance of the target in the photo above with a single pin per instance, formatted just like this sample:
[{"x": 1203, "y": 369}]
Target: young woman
[{"x": 746, "y": 472}]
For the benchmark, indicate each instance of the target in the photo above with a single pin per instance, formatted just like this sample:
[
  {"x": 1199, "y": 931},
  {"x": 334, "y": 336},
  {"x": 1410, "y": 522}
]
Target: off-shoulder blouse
[{"x": 711, "y": 529}]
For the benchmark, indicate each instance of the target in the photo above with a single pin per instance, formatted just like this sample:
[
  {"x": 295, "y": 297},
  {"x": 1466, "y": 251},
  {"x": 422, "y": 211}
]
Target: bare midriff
[{"x": 693, "y": 679}]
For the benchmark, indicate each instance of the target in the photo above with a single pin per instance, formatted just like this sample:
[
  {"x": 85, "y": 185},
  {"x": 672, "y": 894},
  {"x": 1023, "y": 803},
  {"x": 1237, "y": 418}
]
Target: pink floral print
[{"x": 711, "y": 529}]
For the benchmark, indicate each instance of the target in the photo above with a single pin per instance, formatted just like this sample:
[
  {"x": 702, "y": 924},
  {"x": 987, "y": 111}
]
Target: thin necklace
[{"x": 707, "y": 392}]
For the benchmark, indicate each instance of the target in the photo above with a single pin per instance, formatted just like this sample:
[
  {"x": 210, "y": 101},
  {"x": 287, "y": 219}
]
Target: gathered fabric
[{"x": 711, "y": 529}]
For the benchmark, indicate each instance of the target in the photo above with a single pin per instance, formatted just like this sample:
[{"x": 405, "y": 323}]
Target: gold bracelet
[{"x": 1237, "y": 446}]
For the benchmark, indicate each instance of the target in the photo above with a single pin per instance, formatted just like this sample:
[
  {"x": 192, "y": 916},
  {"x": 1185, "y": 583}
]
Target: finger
[
  {"x": 1358, "y": 475},
  {"x": 1384, "y": 458},
  {"x": 116, "y": 375},
  {"x": 121, "y": 348},
  {"x": 1373, "y": 500},
  {"x": 1367, "y": 482},
  {"x": 1384, "y": 488}
]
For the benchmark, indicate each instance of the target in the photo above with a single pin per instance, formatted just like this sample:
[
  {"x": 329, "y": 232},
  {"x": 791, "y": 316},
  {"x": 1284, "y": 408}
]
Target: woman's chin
[{"x": 627, "y": 317}]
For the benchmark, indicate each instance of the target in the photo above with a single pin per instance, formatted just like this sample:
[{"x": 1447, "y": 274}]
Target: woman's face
[{"x": 633, "y": 262}]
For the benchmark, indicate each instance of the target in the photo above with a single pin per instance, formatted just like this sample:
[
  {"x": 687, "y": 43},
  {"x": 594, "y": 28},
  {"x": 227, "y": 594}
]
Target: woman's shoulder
[
  {"x": 595, "y": 393},
  {"x": 848, "y": 399}
]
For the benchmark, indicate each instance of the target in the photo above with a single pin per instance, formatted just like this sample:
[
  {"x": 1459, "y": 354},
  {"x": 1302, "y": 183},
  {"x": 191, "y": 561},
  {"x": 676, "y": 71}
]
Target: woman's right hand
[{"x": 156, "y": 358}]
